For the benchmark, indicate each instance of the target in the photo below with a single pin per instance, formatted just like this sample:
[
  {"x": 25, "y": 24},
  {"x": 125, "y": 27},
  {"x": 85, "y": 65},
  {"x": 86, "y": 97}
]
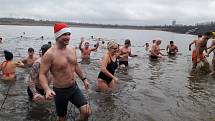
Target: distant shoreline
[{"x": 182, "y": 29}]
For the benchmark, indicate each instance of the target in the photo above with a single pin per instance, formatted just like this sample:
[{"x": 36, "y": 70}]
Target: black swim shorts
[{"x": 64, "y": 95}]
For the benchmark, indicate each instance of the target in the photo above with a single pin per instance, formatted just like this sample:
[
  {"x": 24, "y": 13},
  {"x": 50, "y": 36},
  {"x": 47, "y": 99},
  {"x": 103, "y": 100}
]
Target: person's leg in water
[
  {"x": 112, "y": 84},
  {"x": 194, "y": 65},
  {"x": 85, "y": 112},
  {"x": 206, "y": 65},
  {"x": 102, "y": 85},
  {"x": 79, "y": 100}
]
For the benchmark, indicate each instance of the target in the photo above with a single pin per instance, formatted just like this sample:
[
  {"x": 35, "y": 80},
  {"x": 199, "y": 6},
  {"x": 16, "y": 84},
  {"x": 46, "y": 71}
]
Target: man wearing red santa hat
[{"x": 61, "y": 61}]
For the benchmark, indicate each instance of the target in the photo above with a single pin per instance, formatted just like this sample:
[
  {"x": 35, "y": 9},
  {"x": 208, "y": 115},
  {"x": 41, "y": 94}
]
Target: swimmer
[
  {"x": 124, "y": 53},
  {"x": 106, "y": 78},
  {"x": 8, "y": 67}
]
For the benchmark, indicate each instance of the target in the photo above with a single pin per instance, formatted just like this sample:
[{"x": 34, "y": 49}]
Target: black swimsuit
[{"x": 111, "y": 67}]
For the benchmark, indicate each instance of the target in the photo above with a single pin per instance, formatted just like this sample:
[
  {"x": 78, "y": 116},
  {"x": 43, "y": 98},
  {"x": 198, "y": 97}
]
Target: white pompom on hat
[{"x": 60, "y": 28}]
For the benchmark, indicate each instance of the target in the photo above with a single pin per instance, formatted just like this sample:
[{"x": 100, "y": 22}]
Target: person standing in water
[
  {"x": 194, "y": 42},
  {"x": 201, "y": 46},
  {"x": 35, "y": 90},
  {"x": 106, "y": 78},
  {"x": 8, "y": 67},
  {"x": 61, "y": 61},
  {"x": 155, "y": 50},
  {"x": 124, "y": 52},
  {"x": 86, "y": 50},
  {"x": 171, "y": 49},
  {"x": 28, "y": 61},
  {"x": 146, "y": 46}
]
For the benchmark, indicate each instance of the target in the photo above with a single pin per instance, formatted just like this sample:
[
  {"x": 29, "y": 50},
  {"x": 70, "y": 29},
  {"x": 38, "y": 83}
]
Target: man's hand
[
  {"x": 50, "y": 94},
  {"x": 37, "y": 97}
]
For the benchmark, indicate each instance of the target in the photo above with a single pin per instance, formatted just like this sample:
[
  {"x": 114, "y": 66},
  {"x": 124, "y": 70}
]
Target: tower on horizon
[{"x": 174, "y": 22}]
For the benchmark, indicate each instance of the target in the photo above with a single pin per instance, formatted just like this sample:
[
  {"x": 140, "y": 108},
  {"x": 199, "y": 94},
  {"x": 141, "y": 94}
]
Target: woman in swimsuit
[
  {"x": 8, "y": 67},
  {"x": 106, "y": 78}
]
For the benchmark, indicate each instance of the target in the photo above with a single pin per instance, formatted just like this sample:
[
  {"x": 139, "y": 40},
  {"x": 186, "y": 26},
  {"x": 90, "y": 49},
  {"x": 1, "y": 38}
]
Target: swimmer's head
[
  {"x": 171, "y": 42},
  {"x": 127, "y": 42},
  {"x": 87, "y": 44},
  {"x": 112, "y": 45},
  {"x": 158, "y": 42},
  {"x": 30, "y": 51},
  {"x": 8, "y": 55},
  {"x": 103, "y": 42},
  {"x": 199, "y": 36},
  {"x": 49, "y": 42},
  {"x": 147, "y": 44},
  {"x": 44, "y": 48}
]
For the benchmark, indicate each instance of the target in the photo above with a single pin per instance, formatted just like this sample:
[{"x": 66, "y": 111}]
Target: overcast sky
[{"x": 130, "y": 12}]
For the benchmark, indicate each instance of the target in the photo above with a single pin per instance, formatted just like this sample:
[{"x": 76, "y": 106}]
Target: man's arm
[
  {"x": 81, "y": 44},
  {"x": 167, "y": 47},
  {"x": 80, "y": 73},
  {"x": 24, "y": 60},
  {"x": 44, "y": 69},
  {"x": 129, "y": 53},
  {"x": 176, "y": 49},
  {"x": 34, "y": 73},
  {"x": 191, "y": 44}
]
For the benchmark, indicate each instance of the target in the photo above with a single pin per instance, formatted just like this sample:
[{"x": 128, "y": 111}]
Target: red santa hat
[{"x": 60, "y": 28}]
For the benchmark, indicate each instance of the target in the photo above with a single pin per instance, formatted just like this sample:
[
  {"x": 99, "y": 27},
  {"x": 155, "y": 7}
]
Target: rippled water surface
[{"x": 147, "y": 91}]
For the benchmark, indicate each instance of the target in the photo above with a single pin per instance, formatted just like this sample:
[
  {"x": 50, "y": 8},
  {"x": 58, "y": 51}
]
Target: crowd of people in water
[{"x": 57, "y": 64}]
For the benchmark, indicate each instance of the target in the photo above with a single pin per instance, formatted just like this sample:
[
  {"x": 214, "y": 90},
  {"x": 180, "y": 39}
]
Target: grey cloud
[{"x": 135, "y": 12}]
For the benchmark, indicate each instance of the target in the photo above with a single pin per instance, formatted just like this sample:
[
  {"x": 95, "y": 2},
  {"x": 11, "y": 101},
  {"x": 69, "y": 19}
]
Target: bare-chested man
[
  {"x": 124, "y": 52},
  {"x": 155, "y": 50},
  {"x": 28, "y": 61},
  {"x": 85, "y": 52},
  {"x": 35, "y": 90},
  {"x": 172, "y": 49},
  {"x": 200, "y": 47},
  {"x": 61, "y": 61},
  {"x": 199, "y": 37}
]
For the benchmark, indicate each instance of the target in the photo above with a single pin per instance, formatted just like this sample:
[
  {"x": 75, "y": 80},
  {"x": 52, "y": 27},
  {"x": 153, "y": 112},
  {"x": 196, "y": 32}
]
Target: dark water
[{"x": 147, "y": 91}]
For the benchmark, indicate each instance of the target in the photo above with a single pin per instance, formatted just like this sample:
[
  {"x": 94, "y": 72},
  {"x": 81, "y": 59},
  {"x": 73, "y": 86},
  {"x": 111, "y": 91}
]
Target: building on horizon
[{"x": 174, "y": 22}]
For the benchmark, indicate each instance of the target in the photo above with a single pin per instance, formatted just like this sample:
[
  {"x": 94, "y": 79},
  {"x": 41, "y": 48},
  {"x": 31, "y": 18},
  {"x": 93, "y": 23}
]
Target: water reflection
[
  {"x": 154, "y": 66},
  {"x": 41, "y": 111}
]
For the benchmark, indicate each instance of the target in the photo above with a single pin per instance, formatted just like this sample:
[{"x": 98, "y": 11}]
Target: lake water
[{"x": 147, "y": 91}]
